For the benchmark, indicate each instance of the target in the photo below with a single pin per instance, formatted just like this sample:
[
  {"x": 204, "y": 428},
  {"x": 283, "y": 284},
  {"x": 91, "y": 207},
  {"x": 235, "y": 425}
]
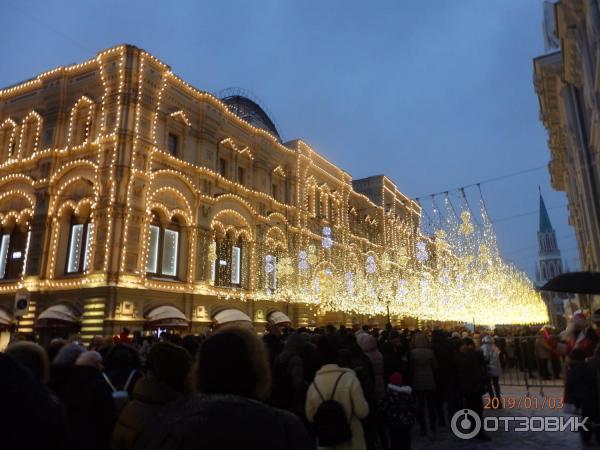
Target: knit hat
[
  {"x": 169, "y": 363},
  {"x": 396, "y": 378},
  {"x": 67, "y": 355}
]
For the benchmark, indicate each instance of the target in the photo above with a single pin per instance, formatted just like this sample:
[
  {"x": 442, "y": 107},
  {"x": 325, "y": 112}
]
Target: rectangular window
[
  {"x": 241, "y": 175},
  {"x": 173, "y": 144},
  {"x": 4, "y": 253},
  {"x": 152, "y": 259},
  {"x": 275, "y": 192},
  {"x": 170, "y": 250},
  {"x": 236, "y": 262},
  {"x": 75, "y": 247},
  {"x": 222, "y": 167},
  {"x": 88, "y": 246}
]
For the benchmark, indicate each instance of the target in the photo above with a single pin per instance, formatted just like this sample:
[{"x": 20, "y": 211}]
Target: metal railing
[{"x": 526, "y": 361}]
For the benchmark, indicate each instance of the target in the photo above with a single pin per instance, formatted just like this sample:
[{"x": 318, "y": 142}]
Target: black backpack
[{"x": 331, "y": 423}]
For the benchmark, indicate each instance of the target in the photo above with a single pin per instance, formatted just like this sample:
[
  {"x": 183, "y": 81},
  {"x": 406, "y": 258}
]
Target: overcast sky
[{"x": 435, "y": 94}]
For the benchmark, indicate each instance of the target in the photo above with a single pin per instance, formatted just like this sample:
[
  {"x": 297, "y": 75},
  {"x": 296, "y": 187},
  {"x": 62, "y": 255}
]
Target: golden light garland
[{"x": 469, "y": 282}]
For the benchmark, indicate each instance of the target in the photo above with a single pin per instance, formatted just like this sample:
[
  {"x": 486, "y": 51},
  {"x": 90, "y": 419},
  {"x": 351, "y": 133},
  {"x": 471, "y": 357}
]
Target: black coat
[
  {"x": 223, "y": 422},
  {"x": 581, "y": 388},
  {"x": 30, "y": 417},
  {"x": 90, "y": 408},
  {"x": 470, "y": 372},
  {"x": 445, "y": 373}
]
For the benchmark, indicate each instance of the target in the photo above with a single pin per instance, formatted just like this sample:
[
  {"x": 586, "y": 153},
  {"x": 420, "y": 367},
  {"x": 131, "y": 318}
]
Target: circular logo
[
  {"x": 22, "y": 304},
  {"x": 465, "y": 424}
]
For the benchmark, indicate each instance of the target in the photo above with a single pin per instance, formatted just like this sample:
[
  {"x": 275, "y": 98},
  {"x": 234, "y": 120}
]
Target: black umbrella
[{"x": 575, "y": 283}]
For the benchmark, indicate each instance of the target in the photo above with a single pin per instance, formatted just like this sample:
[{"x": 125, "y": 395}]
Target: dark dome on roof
[{"x": 250, "y": 111}]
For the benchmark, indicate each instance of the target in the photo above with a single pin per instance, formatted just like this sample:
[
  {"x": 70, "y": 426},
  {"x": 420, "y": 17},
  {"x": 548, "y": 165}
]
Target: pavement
[{"x": 532, "y": 404}]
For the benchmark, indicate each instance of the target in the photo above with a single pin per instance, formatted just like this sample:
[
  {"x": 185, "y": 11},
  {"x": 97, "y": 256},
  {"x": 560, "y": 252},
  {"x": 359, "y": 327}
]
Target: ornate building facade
[
  {"x": 130, "y": 198},
  {"x": 566, "y": 82}
]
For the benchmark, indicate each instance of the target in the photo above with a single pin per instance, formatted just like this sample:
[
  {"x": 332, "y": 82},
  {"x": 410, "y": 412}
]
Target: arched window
[
  {"x": 13, "y": 246},
  {"x": 8, "y": 140},
  {"x": 163, "y": 249},
  {"x": 78, "y": 248},
  {"x": 81, "y": 121},
  {"x": 83, "y": 125},
  {"x": 30, "y": 134}
]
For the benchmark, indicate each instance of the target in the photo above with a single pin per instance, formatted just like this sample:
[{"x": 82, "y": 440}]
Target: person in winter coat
[
  {"x": 542, "y": 353},
  {"x": 351, "y": 356},
  {"x": 30, "y": 417},
  {"x": 33, "y": 357},
  {"x": 423, "y": 364},
  {"x": 581, "y": 389},
  {"x": 399, "y": 412},
  {"x": 368, "y": 344},
  {"x": 472, "y": 376},
  {"x": 348, "y": 393},
  {"x": 122, "y": 364},
  {"x": 89, "y": 404},
  {"x": 273, "y": 340},
  {"x": 491, "y": 354},
  {"x": 395, "y": 356},
  {"x": 445, "y": 375},
  {"x": 289, "y": 385},
  {"x": 168, "y": 366},
  {"x": 232, "y": 380}
]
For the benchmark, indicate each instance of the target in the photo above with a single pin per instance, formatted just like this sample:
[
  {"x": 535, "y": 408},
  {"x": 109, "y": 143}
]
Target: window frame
[
  {"x": 81, "y": 268},
  {"x": 17, "y": 242},
  {"x": 177, "y": 140},
  {"x": 222, "y": 167},
  {"x": 176, "y": 227},
  {"x": 223, "y": 273}
]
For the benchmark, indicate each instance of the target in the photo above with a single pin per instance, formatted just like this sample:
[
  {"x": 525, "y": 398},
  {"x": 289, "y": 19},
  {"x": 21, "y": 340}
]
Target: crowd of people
[{"x": 330, "y": 387}]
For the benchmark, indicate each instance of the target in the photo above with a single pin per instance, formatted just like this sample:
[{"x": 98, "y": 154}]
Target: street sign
[{"x": 22, "y": 298}]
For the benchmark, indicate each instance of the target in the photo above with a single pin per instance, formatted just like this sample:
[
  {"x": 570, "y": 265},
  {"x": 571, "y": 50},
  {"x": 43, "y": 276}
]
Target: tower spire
[{"x": 545, "y": 224}]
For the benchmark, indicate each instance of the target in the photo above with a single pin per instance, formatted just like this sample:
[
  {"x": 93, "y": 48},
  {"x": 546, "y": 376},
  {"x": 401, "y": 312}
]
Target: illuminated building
[
  {"x": 566, "y": 82},
  {"x": 130, "y": 198}
]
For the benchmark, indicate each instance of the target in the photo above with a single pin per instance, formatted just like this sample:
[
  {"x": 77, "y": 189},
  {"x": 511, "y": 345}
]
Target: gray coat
[{"x": 423, "y": 362}]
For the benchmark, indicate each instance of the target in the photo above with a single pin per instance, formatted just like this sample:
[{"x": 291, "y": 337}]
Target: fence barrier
[{"x": 531, "y": 361}]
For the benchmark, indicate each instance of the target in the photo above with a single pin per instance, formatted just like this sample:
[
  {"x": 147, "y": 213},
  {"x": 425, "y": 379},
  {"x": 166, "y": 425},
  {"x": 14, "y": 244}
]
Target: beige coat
[{"x": 348, "y": 393}]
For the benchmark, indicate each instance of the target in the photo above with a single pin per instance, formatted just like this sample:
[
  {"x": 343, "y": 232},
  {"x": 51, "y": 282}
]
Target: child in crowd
[{"x": 398, "y": 409}]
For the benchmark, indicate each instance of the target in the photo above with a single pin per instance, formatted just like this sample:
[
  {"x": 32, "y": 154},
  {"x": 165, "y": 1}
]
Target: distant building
[
  {"x": 566, "y": 82},
  {"x": 549, "y": 263}
]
